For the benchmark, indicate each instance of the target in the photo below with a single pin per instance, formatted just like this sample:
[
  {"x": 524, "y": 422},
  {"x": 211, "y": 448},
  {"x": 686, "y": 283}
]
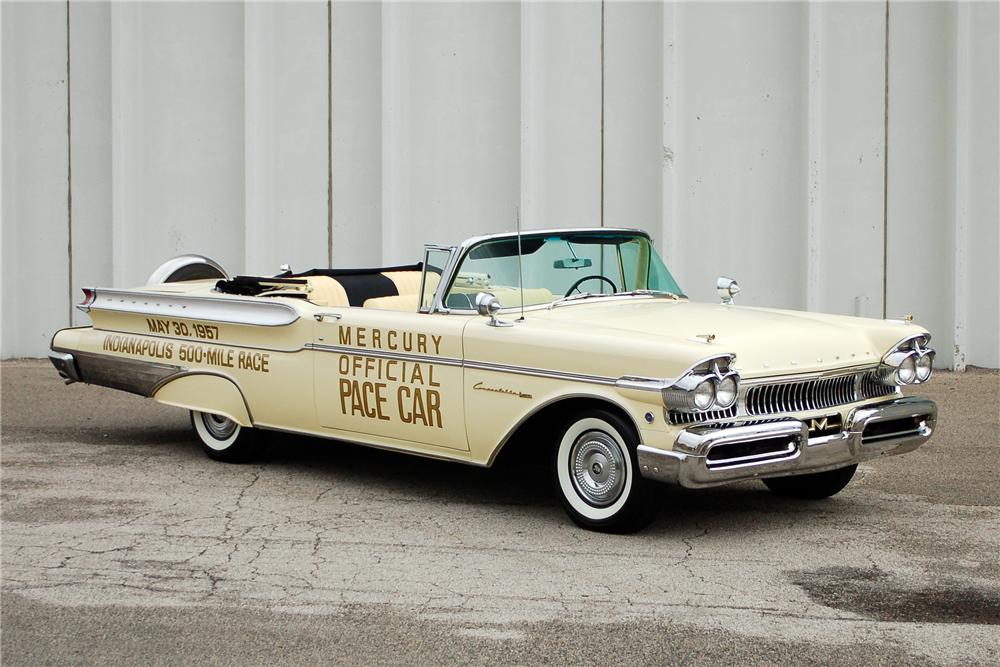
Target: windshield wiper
[{"x": 597, "y": 295}]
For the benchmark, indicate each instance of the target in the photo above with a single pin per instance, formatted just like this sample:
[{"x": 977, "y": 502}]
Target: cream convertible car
[{"x": 576, "y": 344}]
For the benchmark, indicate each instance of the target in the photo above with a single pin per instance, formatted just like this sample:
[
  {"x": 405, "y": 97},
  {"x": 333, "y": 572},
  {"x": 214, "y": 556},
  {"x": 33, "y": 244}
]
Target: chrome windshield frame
[{"x": 461, "y": 251}]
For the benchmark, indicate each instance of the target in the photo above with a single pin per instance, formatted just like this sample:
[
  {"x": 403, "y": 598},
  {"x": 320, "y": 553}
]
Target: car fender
[{"x": 206, "y": 392}]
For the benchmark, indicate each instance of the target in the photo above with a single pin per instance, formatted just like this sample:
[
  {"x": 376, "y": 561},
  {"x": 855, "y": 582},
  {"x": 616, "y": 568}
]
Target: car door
[{"x": 394, "y": 376}]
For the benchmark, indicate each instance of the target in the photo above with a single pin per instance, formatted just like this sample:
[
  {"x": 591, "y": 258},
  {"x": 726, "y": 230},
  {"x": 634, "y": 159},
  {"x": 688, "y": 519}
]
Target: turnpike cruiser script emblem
[
  {"x": 480, "y": 386},
  {"x": 574, "y": 347}
]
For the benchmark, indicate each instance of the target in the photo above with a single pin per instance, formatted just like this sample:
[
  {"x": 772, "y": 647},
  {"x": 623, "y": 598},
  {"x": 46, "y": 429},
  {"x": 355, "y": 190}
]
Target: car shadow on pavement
[{"x": 526, "y": 482}]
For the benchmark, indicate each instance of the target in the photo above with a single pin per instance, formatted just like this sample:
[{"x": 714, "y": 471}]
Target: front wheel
[
  {"x": 224, "y": 440},
  {"x": 814, "y": 486},
  {"x": 597, "y": 473}
]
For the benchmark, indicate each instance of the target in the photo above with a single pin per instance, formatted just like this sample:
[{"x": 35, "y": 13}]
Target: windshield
[{"x": 574, "y": 264}]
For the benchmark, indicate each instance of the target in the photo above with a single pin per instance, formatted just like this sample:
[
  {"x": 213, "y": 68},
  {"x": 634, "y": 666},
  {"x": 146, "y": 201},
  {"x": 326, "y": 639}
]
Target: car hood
[{"x": 765, "y": 341}]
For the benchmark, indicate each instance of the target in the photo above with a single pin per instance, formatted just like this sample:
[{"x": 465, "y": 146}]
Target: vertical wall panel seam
[
  {"x": 885, "y": 171},
  {"x": 961, "y": 169},
  {"x": 329, "y": 133},
  {"x": 814, "y": 125},
  {"x": 602, "y": 110},
  {"x": 69, "y": 178}
]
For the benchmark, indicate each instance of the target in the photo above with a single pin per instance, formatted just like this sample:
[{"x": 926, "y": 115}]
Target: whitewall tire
[
  {"x": 223, "y": 439},
  {"x": 596, "y": 473}
]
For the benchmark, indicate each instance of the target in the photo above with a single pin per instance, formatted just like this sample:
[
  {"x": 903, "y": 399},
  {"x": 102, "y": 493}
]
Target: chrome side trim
[
  {"x": 477, "y": 365},
  {"x": 383, "y": 354},
  {"x": 232, "y": 310},
  {"x": 643, "y": 383},
  {"x": 135, "y": 376},
  {"x": 539, "y": 372}
]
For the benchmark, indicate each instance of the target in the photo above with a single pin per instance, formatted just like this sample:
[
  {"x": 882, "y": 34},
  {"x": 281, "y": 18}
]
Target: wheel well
[{"x": 537, "y": 432}]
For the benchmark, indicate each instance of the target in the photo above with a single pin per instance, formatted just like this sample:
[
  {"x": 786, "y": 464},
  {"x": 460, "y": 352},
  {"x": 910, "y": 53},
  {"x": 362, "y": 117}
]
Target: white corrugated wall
[{"x": 832, "y": 157}]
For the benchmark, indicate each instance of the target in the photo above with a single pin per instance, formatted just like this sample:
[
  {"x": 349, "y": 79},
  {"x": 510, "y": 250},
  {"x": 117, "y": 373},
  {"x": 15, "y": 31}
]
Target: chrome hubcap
[
  {"x": 598, "y": 468},
  {"x": 220, "y": 428}
]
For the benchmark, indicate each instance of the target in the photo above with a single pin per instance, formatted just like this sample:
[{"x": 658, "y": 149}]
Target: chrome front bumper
[{"x": 711, "y": 455}]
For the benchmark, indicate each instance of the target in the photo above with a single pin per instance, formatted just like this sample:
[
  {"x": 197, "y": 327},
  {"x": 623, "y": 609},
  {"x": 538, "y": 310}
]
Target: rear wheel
[
  {"x": 224, "y": 440},
  {"x": 814, "y": 486},
  {"x": 597, "y": 473}
]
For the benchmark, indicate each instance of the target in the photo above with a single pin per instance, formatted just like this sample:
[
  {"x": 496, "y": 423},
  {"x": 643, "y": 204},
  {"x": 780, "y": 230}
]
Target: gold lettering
[
  {"x": 345, "y": 391},
  {"x": 345, "y": 335},
  {"x": 434, "y": 408},
  {"x": 405, "y": 416}
]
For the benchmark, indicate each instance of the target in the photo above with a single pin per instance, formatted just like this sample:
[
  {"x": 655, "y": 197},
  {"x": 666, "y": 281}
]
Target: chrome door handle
[{"x": 319, "y": 316}]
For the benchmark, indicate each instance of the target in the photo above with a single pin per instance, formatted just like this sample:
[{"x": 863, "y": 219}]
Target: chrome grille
[
  {"x": 775, "y": 398},
  {"x": 805, "y": 395},
  {"x": 701, "y": 417}
]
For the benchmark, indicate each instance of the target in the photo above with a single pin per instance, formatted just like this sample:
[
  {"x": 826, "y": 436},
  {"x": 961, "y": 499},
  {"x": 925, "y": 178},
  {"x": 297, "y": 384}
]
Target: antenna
[{"x": 520, "y": 267}]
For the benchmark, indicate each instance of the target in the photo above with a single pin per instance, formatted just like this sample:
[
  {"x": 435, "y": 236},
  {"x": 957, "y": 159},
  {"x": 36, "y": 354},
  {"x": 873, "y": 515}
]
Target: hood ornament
[{"x": 708, "y": 337}]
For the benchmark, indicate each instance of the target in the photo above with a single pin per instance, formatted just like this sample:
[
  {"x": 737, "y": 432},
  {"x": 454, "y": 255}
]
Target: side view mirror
[
  {"x": 488, "y": 305},
  {"x": 727, "y": 289}
]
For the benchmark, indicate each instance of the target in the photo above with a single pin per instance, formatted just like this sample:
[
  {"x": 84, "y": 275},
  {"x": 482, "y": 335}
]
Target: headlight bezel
[
  {"x": 681, "y": 394},
  {"x": 913, "y": 352}
]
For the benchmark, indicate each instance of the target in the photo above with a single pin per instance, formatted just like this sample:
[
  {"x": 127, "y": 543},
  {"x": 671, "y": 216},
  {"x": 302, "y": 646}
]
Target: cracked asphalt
[{"x": 123, "y": 544}]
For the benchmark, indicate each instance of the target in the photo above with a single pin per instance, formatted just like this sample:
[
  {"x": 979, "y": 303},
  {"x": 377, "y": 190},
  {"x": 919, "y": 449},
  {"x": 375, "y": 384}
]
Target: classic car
[{"x": 576, "y": 344}]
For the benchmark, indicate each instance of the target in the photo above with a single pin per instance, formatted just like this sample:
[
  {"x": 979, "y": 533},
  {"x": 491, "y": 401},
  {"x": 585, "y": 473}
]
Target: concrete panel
[
  {"x": 90, "y": 103},
  {"x": 979, "y": 122},
  {"x": 451, "y": 122},
  {"x": 560, "y": 114},
  {"x": 740, "y": 188},
  {"x": 846, "y": 166},
  {"x": 633, "y": 115},
  {"x": 177, "y": 96},
  {"x": 286, "y": 127},
  {"x": 357, "y": 133},
  {"x": 35, "y": 176},
  {"x": 921, "y": 246}
]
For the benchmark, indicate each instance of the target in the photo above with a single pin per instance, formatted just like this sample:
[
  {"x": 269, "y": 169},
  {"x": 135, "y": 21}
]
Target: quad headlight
[
  {"x": 710, "y": 385},
  {"x": 910, "y": 361}
]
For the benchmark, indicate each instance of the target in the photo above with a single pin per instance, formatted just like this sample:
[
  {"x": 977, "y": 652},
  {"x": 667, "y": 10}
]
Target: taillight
[{"x": 88, "y": 296}]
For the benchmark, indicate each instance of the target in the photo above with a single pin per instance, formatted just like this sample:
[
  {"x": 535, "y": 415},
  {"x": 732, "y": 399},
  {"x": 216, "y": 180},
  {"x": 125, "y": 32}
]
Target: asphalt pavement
[{"x": 123, "y": 544}]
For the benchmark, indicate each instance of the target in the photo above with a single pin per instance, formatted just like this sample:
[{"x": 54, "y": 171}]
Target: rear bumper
[
  {"x": 711, "y": 455},
  {"x": 66, "y": 366},
  {"x": 132, "y": 375}
]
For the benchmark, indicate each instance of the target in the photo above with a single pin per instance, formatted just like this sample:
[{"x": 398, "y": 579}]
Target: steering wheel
[{"x": 576, "y": 285}]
